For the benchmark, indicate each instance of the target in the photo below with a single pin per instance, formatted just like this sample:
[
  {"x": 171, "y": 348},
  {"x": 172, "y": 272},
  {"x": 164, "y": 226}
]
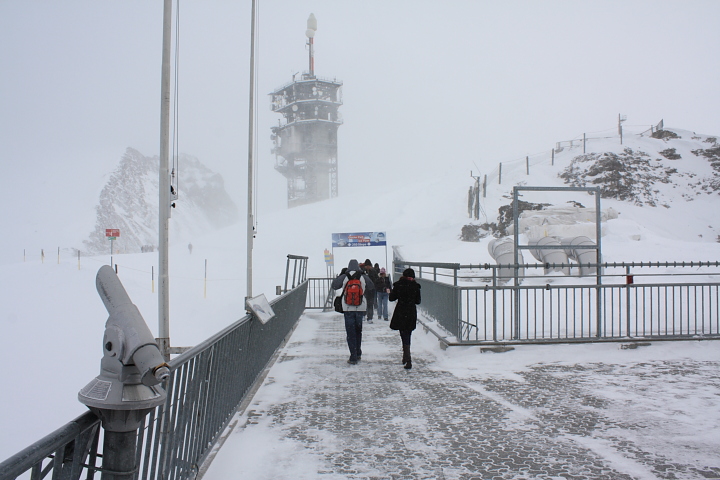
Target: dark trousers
[
  {"x": 405, "y": 336},
  {"x": 370, "y": 298},
  {"x": 353, "y": 328}
]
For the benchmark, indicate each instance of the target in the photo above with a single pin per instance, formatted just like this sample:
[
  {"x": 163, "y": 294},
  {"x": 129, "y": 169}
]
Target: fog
[{"x": 430, "y": 88}]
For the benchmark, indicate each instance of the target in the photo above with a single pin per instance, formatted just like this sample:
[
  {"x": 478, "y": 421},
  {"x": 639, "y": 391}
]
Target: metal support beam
[{"x": 164, "y": 179}]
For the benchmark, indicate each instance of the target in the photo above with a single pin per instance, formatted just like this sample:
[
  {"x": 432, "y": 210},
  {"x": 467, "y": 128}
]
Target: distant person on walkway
[
  {"x": 383, "y": 285},
  {"x": 372, "y": 301},
  {"x": 407, "y": 293},
  {"x": 376, "y": 267},
  {"x": 190, "y": 248},
  {"x": 354, "y": 304}
]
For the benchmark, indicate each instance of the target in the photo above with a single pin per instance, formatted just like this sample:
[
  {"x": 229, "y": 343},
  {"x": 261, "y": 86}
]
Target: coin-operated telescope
[{"x": 132, "y": 366}]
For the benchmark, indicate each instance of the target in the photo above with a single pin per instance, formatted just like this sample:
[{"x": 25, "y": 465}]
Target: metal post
[
  {"x": 386, "y": 255},
  {"x": 295, "y": 273},
  {"x": 500, "y": 174},
  {"x": 598, "y": 230},
  {"x": 164, "y": 178},
  {"x": 119, "y": 449},
  {"x": 251, "y": 148},
  {"x": 598, "y": 257},
  {"x": 584, "y": 139},
  {"x": 287, "y": 272},
  {"x": 516, "y": 292},
  {"x": 494, "y": 295},
  {"x": 527, "y": 165},
  {"x": 485, "y": 186},
  {"x": 628, "y": 282},
  {"x": 552, "y": 157}
]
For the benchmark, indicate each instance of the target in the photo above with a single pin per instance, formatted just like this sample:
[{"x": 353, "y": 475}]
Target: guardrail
[
  {"x": 661, "y": 300},
  {"x": 206, "y": 386},
  {"x": 319, "y": 294}
]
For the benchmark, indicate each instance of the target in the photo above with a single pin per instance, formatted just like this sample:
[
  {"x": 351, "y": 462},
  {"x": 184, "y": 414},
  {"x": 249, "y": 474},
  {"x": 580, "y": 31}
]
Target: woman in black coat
[{"x": 407, "y": 293}]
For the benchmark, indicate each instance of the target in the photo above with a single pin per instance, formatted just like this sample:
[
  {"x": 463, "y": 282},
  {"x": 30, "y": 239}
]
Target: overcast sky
[{"x": 429, "y": 86}]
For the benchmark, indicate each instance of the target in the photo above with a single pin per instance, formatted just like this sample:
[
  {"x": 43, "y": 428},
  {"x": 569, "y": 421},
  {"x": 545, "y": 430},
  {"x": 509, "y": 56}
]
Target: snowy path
[{"x": 315, "y": 416}]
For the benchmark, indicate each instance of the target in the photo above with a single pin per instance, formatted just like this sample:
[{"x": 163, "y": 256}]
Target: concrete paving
[{"x": 376, "y": 420}]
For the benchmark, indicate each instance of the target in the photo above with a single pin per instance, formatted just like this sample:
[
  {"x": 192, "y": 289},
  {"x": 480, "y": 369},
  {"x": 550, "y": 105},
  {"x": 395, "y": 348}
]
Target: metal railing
[
  {"x": 663, "y": 300},
  {"x": 580, "y": 141},
  {"x": 319, "y": 294},
  {"x": 205, "y": 388},
  {"x": 298, "y": 274}
]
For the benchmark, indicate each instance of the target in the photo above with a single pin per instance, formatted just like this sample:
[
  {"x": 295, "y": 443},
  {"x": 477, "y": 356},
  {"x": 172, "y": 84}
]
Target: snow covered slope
[{"x": 665, "y": 190}]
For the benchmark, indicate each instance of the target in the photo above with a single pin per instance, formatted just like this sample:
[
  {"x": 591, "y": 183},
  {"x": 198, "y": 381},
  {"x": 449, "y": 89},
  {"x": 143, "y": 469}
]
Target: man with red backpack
[{"x": 356, "y": 287}]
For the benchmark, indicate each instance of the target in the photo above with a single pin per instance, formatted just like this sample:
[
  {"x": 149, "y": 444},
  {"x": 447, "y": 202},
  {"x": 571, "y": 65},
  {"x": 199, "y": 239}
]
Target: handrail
[
  {"x": 33, "y": 455},
  {"x": 634, "y": 300},
  {"x": 206, "y": 385}
]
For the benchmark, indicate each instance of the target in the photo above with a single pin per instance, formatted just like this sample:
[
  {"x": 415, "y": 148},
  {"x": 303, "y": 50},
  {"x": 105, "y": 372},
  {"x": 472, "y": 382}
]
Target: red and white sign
[{"x": 112, "y": 232}]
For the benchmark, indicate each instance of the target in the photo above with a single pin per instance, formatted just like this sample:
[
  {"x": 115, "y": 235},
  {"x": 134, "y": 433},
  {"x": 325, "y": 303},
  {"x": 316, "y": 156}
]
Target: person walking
[
  {"x": 376, "y": 267},
  {"x": 355, "y": 286},
  {"x": 371, "y": 300},
  {"x": 383, "y": 285},
  {"x": 407, "y": 293}
]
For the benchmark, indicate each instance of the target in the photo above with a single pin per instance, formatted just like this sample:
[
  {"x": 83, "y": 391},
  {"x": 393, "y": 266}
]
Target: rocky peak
[{"x": 129, "y": 202}]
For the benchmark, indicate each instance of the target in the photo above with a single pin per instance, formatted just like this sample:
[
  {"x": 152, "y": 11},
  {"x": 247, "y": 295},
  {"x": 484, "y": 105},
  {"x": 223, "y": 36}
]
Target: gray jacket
[{"x": 367, "y": 285}]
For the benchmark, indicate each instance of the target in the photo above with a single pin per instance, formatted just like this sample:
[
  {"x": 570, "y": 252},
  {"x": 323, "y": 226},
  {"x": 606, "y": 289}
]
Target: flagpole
[
  {"x": 251, "y": 138},
  {"x": 163, "y": 339}
]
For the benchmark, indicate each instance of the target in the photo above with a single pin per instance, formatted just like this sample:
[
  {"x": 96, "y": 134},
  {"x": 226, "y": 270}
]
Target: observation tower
[{"x": 305, "y": 139}]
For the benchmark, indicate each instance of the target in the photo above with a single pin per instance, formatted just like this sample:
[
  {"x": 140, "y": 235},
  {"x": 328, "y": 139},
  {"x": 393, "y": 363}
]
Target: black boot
[{"x": 406, "y": 357}]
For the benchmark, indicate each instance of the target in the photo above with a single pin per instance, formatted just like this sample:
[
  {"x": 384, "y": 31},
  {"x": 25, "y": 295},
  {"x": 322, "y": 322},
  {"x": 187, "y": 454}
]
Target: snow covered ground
[
  {"x": 591, "y": 411},
  {"x": 52, "y": 319}
]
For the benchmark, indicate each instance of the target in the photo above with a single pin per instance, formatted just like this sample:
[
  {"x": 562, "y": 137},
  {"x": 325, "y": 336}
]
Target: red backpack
[{"x": 354, "y": 290}]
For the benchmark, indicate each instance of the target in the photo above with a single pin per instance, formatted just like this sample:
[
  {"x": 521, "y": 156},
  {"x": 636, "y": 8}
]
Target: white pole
[
  {"x": 164, "y": 209},
  {"x": 310, "y": 32},
  {"x": 251, "y": 129}
]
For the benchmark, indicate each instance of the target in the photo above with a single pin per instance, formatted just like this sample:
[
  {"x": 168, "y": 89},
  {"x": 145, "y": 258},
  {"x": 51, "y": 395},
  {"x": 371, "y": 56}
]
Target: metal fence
[
  {"x": 205, "y": 388},
  {"x": 319, "y": 294},
  {"x": 625, "y": 301},
  {"x": 548, "y": 157}
]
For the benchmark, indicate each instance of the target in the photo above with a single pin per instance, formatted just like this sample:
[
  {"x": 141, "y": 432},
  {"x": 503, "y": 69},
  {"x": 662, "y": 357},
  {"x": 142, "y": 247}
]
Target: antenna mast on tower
[
  {"x": 305, "y": 140},
  {"x": 310, "y": 33}
]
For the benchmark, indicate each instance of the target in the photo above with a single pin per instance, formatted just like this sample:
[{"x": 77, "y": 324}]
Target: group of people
[
  {"x": 378, "y": 297},
  {"x": 378, "y": 290}
]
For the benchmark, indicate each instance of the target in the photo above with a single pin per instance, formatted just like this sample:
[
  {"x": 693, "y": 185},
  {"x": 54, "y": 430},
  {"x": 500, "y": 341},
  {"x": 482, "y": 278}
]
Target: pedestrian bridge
[{"x": 380, "y": 421}]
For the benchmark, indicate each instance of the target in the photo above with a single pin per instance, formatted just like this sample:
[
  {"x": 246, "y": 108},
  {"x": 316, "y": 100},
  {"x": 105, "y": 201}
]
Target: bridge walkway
[{"x": 316, "y": 416}]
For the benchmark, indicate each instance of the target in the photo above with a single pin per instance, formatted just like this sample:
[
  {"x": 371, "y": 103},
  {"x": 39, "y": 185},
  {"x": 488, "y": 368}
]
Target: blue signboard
[{"x": 359, "y": 239}]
